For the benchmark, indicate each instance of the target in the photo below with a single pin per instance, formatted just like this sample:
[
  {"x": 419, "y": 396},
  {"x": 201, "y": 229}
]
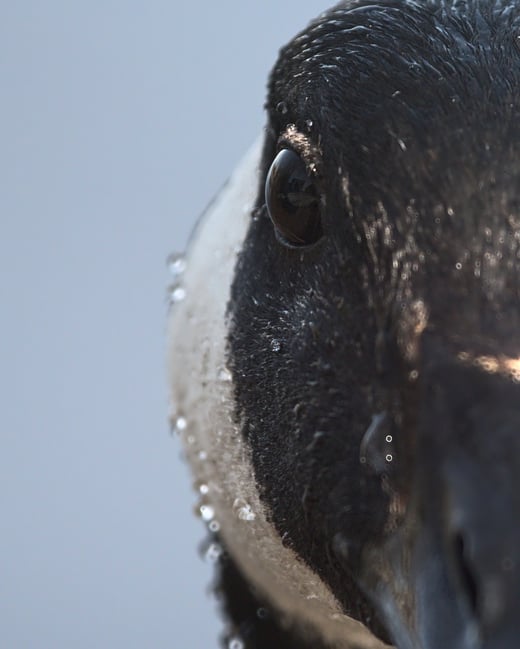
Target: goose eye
[{"x": 292, "y": 200}]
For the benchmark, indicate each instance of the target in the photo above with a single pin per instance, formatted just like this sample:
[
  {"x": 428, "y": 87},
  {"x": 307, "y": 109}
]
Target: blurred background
[{"x": 119, "y": 121}]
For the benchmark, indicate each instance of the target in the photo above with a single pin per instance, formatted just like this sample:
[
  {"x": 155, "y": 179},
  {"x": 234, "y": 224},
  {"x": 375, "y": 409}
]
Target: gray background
[{"x": 119, "y": 120}]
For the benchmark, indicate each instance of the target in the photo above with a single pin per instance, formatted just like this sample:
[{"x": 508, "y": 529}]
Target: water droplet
[
  {"x": 246, "y": 514},
  {"x": 179, "y": 425},
  {"x": 176, "y": 263},
  {"x": 243, "y": 510},
  {"x": 214, "y": 526},
  {"x": 276, "y": 345},
  {"x": 281, "y": 107},
  {"x": 224, "y": 374},
  {"x": 213, "y": 553},
  {"x": 373, "y": 449},
  {"x": 177, "y": 293},
  {"x": 206, "y": 512}
]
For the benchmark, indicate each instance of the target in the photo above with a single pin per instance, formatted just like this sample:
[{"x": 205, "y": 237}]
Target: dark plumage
[{"x": 375, "y": 370}]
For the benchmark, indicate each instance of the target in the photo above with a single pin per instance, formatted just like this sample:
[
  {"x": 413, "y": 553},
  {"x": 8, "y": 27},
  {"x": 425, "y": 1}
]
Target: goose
[{"x": 344, "y": 347}]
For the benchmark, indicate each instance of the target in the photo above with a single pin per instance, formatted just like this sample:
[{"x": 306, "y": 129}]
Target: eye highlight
[{"x": 292, "y": 200}]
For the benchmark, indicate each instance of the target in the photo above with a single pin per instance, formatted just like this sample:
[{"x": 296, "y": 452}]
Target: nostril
[{"x": 465, "y": 572}]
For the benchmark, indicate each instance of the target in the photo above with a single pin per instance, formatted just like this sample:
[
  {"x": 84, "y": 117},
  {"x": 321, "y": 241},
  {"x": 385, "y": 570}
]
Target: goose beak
[{"x": 450, "y": 577}]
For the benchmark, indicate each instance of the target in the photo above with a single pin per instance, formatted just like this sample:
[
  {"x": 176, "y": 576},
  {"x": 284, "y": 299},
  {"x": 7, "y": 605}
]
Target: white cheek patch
[{"x": 203, "y": 406}]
